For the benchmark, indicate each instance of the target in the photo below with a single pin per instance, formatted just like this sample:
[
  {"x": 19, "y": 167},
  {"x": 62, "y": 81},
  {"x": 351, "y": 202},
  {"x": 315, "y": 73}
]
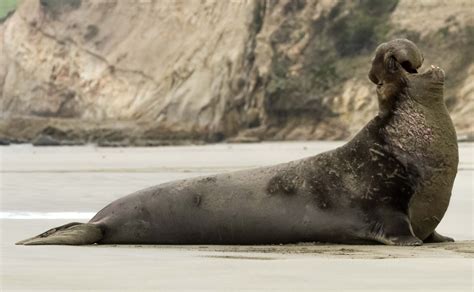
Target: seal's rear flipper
[
  {"x": 435, "y": 237},
  {"x": 69, "y": 234}
]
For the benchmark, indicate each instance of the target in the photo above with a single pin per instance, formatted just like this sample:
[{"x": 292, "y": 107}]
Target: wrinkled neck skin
[
  {"x": 417, "y": 124},
  {"x": 426, "y": 89}
]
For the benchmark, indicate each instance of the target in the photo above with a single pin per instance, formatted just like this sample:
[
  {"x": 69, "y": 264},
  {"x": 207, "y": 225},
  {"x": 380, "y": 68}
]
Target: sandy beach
[{"x": 44, "y": 187}]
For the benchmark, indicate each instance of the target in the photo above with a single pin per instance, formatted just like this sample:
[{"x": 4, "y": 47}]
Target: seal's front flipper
[
  {"x": 393, "y": 228},
  {"x": 405, "y": 240},
  {"x": 69, "y": 234},
  {"x": 436, "y": 237}
]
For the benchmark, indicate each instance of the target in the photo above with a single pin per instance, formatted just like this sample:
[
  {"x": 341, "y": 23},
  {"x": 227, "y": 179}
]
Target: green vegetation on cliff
[
  {"x": 350, "y": 29},
  {"x": 7, "y": 6}
]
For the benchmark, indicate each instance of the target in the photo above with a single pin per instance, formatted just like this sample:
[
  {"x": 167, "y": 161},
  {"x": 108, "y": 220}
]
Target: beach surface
[{"x": 43, "y": 187}]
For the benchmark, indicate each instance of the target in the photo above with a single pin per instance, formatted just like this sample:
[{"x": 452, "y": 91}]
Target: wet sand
[{"x": 81, "y": 180}]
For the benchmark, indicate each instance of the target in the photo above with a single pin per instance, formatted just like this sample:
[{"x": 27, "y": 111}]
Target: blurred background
[{"x": 148, "y": 73}]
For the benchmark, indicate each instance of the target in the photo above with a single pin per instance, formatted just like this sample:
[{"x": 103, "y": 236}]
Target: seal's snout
[
  {"x": 405, "y": 53},
  {"x": 393, "y": 57}
]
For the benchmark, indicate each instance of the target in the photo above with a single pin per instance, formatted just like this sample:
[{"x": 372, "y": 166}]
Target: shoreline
[{"x": 52, "y": 142}]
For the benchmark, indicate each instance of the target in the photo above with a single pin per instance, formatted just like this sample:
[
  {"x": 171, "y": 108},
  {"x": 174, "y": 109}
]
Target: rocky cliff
[{"x": 150, "y": 72}]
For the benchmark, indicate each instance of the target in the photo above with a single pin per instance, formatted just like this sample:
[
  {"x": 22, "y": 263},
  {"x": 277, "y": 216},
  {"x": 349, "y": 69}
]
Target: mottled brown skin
[{"x": 372, "y": 189}]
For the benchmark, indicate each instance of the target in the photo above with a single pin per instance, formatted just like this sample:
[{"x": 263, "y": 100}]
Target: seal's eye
[{"x": 408, "y": 67}]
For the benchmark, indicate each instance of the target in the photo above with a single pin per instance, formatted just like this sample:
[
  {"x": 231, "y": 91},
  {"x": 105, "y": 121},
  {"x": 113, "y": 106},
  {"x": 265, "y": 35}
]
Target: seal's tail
[{"x": 70, "y": 234}]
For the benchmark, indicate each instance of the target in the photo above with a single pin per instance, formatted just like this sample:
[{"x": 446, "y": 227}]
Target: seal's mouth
[
  {"x": 433, "y": 73},
  {"x": 407, "y": 66}
]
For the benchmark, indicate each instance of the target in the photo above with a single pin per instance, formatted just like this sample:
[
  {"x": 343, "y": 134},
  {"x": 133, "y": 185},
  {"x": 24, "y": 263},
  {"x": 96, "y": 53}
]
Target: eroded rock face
[{"x": 213, "y": 70}]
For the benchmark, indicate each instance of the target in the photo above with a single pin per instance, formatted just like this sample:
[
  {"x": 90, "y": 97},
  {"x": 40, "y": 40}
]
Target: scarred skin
[{"x": 390, "y": 184}]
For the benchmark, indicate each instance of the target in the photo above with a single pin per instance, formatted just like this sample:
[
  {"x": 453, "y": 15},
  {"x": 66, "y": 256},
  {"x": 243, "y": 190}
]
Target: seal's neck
[
  {"x": 427, "y": 88},
  {"x": 413, "y": 90}
]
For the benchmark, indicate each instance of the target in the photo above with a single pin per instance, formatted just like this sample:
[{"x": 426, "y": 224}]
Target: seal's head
[{"x": 395, "y": 71}]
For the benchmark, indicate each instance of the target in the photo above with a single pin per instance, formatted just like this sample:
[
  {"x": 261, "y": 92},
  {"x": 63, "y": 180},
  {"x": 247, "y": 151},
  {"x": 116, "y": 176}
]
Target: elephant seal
[{"x": 390, "y": 184}]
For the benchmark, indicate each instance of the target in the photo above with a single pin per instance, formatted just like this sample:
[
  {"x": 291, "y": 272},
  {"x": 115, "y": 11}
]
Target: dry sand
[{"x": 84, "y": 179}]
